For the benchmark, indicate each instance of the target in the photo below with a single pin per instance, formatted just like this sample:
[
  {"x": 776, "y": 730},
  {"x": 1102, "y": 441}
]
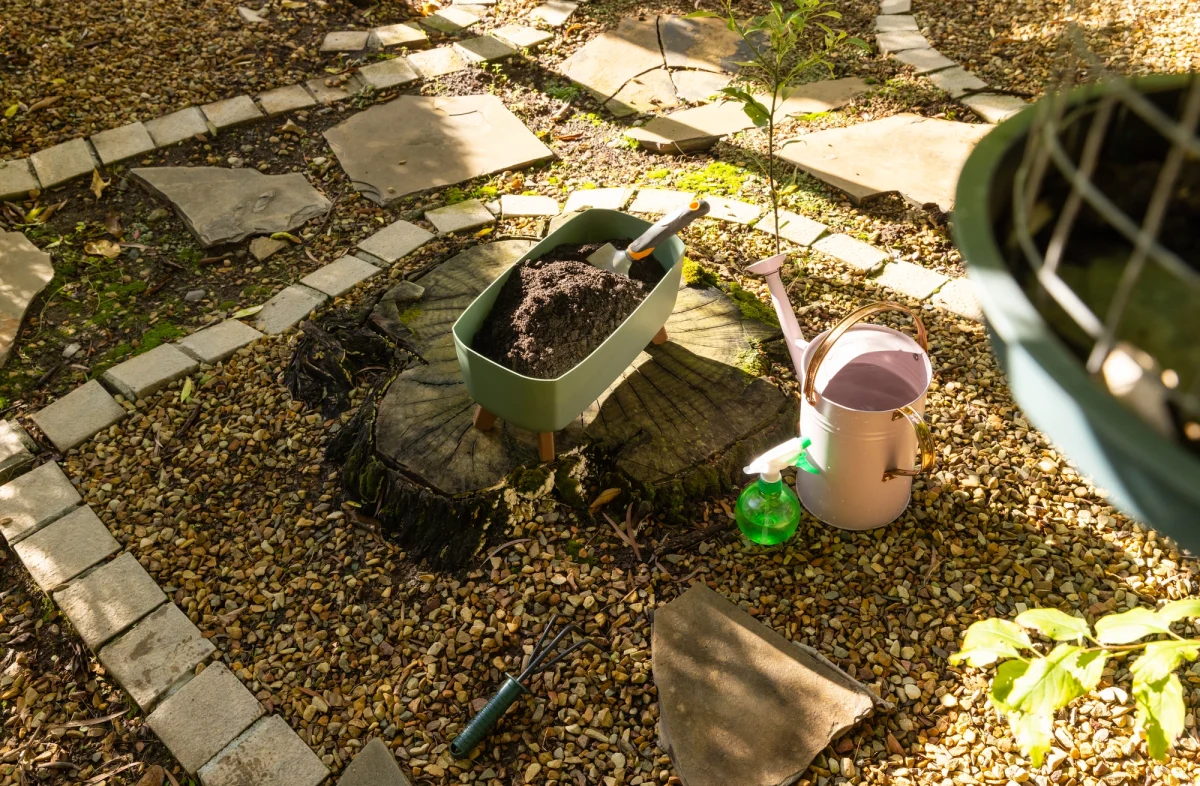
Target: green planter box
[{"x": 547, "y": 405}]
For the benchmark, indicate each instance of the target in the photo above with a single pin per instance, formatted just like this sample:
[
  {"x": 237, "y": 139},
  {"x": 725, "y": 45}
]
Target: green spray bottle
[{"x": 768, "y": 511}]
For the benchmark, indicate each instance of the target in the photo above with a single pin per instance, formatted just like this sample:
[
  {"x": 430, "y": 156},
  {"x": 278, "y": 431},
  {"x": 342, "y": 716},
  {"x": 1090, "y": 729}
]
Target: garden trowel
[{"x": 608, "y": 257}]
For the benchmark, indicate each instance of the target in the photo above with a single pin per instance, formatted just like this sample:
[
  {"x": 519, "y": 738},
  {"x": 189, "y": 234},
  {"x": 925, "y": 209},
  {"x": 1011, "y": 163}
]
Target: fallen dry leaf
[
  {"x": 98, "y": 183},
  {"x": 45, "y": 102},
  {"x": 605, "y": 497},
  {"x": 153, "y": 777},
  {"x": 102, "y": 248},
  {"x": 112, "y": 222}
]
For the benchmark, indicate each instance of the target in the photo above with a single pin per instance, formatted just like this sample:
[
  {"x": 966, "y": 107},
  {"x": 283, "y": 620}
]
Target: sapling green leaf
[
  {"x": 1054, "y": 624},
  {"x": 1180, "y": 609},
  {"x": 1130, "y": 626},
  {"x": 990, "y": 640},
  {"x": 1033, "y": 733},
  {"x": 1050, "y": 683}
]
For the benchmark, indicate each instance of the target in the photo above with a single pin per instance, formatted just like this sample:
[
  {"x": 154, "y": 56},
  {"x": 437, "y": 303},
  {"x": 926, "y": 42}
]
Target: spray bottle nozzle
[{"x": 790, "y": 453}]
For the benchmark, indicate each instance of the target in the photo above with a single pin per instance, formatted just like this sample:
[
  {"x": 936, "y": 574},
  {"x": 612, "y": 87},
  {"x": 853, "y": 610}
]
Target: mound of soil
[{"x": 554, "y": 311}]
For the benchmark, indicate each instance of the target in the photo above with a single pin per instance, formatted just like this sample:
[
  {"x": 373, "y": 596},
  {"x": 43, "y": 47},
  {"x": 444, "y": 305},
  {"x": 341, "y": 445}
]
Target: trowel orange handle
[{"x": 650, "y": 239}]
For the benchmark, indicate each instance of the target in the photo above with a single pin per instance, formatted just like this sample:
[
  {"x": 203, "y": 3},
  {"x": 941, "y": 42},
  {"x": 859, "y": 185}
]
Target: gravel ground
[{"x": 1015, "y": 44}]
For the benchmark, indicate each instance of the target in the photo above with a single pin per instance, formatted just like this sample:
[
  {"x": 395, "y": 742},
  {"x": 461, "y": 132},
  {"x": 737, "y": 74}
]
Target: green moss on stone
[
  {"x": 716, "y": 178},
  {"x": 696, "y": 275},
  {"x": 159, "y": 334},
  {"x": 409, "y": 314},
  {"x": 527, "y": 481},
  {"x": 751, "y": 306}
]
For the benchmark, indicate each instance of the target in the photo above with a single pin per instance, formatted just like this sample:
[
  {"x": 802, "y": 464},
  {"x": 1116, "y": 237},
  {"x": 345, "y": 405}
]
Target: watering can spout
[{"x": 769, "y": 268}]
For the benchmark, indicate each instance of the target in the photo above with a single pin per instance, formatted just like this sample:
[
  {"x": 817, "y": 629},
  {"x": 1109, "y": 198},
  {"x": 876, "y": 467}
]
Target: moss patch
[
  {"x": 409, "y": 314},
  {"x": 159, "y": 334},
  {"x": 716, "y": 178},
  {"x": 696, "y": 275},
  {"x": 751, "y": 306}
]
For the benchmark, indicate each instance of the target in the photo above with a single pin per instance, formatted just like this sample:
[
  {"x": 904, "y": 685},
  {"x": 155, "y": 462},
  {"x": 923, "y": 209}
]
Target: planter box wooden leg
[
  {"x": 546, "y": 445},
  {"x": 484, "y": 420},
  {"x": 661, "y": 336}
]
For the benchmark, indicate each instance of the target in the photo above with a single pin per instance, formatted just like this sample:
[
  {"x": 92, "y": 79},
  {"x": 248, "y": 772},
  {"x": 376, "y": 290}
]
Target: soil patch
[{"x": 554, "y": 311}]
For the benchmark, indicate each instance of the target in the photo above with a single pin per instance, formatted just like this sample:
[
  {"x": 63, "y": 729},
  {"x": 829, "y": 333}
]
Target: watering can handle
[
  {"x": 924, "y": 441},
  {"x": 841, "y": 328}
]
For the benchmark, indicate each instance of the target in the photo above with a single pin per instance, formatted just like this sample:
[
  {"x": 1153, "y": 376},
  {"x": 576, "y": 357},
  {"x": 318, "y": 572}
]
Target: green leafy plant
[
  {"x": 784, "y": 50},
  {"x": 1031, "y": 686}
]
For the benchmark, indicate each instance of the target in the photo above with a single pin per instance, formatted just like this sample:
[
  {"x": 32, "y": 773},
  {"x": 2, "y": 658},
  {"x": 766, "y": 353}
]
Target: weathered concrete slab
[
  {"x": 647, "y": 92},
  {"x": 17, "y": 179},
  {"x": 16, "y": 450},
  {"x": 109, "y": 600},
  {"x": 149, "y": 372},
  {"x": 702, "y": 44},
  {"x": 606, "y": 198},
  {"x": 269, "y": 753},
  {"x": 330, "y": 91},
  {"x": 916, "y": 156},
  {"x": 388, "y": 73},
  {"x": 604, "y": 64},
  {"x": 373, "y": 766},
  {"x": 801, "y": 230},
  {"x": 699, "y": 86},
  {"x": 346, "y": 41},
  {"x": 407, "y": 34},
  {"x": 286, "y": 99},
  {"x": 825, "y": 95},
  {"x": 899, "y": 41},
  {"x": 265, "y": 247},
  {"x": 484, "y": 49},
  {"x": 62, "y": 550},
  {"x": 25, "y": 270},
  {"x": 440, "y": 140},
  {"x": 512, "y": 205},
  {"x": 958, "y": 297},
  {"x": 993, "y": 107},
  {"x": 340, "y": 276},
  {"x": 555, "y": 12},
  {"x": 522, "y": 36},
  {"x": 33, "y": 500},
  {"x": 450, "y": 20},
  {"x": 861, "y": 257},
  {"x": 121, "y": 144},
  {"x": 738, "y": 702},
  {"x": 460, "y": 216},
  {"x": 924, "y": 61},
  {"x": 78, "y": 416},
  {"x": 161, "y": 650},
  {"x": 895, "y": 6},
  {"x": 395, "y": 241},
  {"x": 228, "y": 205},
  {"x": 436, "y": 62},
  {"x": 724, "y": 209},
  {"x": 177, "y": 126},
  {"x": 957, "y": 81},
  {"x": 659, "y": 200},
  {"x": 61, "y": 163},
  {"x": 288, "y": 308},
  {"x": 910, "y": 279},
  {"x": 214, "y": 344},
  {"x": 231, "y": 112},
  {"x": 204, "y": 716},
  {"x": 895, "y": 23}
]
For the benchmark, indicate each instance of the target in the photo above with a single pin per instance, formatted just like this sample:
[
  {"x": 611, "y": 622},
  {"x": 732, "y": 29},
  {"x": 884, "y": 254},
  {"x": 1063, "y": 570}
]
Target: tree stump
[{"x": 679, "y": 423}]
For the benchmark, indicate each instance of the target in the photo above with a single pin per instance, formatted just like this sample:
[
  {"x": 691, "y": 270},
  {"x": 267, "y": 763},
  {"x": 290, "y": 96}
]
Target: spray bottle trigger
[{"x": 802, "y": 461}]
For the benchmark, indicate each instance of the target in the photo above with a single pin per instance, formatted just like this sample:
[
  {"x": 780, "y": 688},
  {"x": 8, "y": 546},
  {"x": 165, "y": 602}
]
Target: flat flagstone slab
[
  {"x": 407, "y": 34},
  {"x": 17, "y": 179},
  {"x": 528, "y": 205},
  {"x": 703, "y": 44},
  {"x": 957, "y": 81},
  {"x": 109, "y": 600},
  {"x": 121, "y": 144},
  {"x": 78, "y": 416},
  {"x": 340, "y": 276},
  {"x": 604, "y": 64},
  {"x": 450, "y": 20},
  {"x": 647, "y": 92},
  {"x": 286, "y": 99},
  {"x": 910, "y": 279},
  {"x": 346, "y": 41},
  {"x": 330, "y": 91},
  {"x": 924, "y": 61},
  {"x": 416, "y": 143},
  {"x": 373, "y": 766},
  {"x": 738, "y": 702},
  {"x": 437, "y": 62},
  {"x": 901, "y": 40},
  {"x": 916, "y": 156},
  {"x": 60, "y": 551},
  {"x": 204, "y": 716},
  {"x": 16, "y": 450},
  {"x": 823, "y": 96},
  {"x": 269, "y": 753},
  {"x": 958, "y": 297},
  {"x": 724, "y": 209},
  {"x": 659, "y": 200},
  {"x": 177, "y": 126},
  {"x": 699, "y": 86},
  {"x": 554, "y": 13},
  {"x": 228, "y": 205},
  {"x": 460, "y": 216},
  {"x": 214, "y": 344},
  {"x": 157, "y": 653},
  {"x": 484, "y": 49},
  {"x": 25, "y": 270},
  {"x": 150, "y": 372},
  {"x": 522, "y": 36},
  {"x": 35, "y": 499},
  {"x": 801, "y": 230},
  {"x": 388, "y": 73},
  {"x": 606, "y": 198},
  {"x": 231, "y": 112},
  {"x": 895, "y": 23},
  {"x": 288, "y": 308},
  {"x": 396, "y": 241},
  {"x": 265, "y": 247},
  {"x": 993, "y": 107},
  {"x": 61, "y": 163},
  {"x": 862, "y": 257},
  {"x": 895, "y": 6}
]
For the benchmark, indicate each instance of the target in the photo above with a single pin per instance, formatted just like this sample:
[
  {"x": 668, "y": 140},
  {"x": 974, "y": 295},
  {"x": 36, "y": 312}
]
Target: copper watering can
[{"x": 863, "y": 408}]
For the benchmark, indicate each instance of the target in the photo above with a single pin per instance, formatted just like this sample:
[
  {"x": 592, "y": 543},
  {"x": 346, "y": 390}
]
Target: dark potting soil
[{"x": 554, "y": 311}]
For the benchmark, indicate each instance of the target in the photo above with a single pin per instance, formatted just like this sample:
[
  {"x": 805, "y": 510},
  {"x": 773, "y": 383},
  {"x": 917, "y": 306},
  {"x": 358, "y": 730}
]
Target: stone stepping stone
[
  {"x": 606, "y": 198},
  {"x": 895, "y": 23},
  {"x": 516, "y": 205},
  {"x": 417, "y": 143},
  {"x": 78, "y": 416},
  {"x": 899, "y": 41},
  {"x": 330, "y": 91},
  {"x": 484, "y": 49},
  {"x": 109, "y": 600},
  {"x": 924, "y": 61},
  {"x": 204, "y": 716},
  {"x": 957, "y": 81},
  {"x": 61, "y": 551},
  {"x": 699, "y": 86},
  {"x": 231, "y": 112},
  {"x": 346, "y": 41},
  {"x": 17, "y": 179},
  {"x": 395, "y": 241},
  {"x": 121, "y": 144},
  {"x": 723, "y": 209},
  {"x": 286, "y": 99},
  {"x": 859, "y": 256},
  {"x": 264, "y": 247},
  {"x": 659, "y": 201},
  {"x": 647, "y": 92},
  {"x": 895, "y": 6},
  {"x": 801, "y": 230},
  {"x": 703, "y": 44},
  {"x": 159, "y": 652},
  {"x": 251, "y": 17},
  {"x": 228, "y": 205},
  {"x": 911, "y": 280},
  {"x": 460, "y": 216},
  {"x": 33, "y": 500},
  {"x": 994, "y": 107},
  {"x": 450, "y": 20},
  {"x": 407, "y": 34},
  {"x": 219, "y": 342},
  {"x": 389, "y": 73},
  {"x": 437, "y": 62},
  {"x": 823, "y": 96},
  {"x": 958, "y": 297},
  {"x": 918, "y": 157},
  {"x": 25, "y": 270},
  {"x": 61, "y": 163},
  {"x": 340, "y": 276},
  {"x": 522, "y": 37},
  {"x": 374, "y": 766},
  {"x": 149, "y": 372},
  {"x": 604, "y": 64},
  {"x": 738, "y": 702},
  {"x": 288, "y": 308},
  {"x": 16, "y": 450},
  {"x": 554, "y": 13},
  {"x": 269, "y": 753},
  {"x": 178, "y": 126}
]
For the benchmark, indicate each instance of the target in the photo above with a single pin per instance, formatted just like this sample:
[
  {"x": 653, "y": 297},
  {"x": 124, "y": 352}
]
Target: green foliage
[
  {"x": 716, "y": 178},
  {"x": 696, "y": 275},
  {"x": 1029, "y": 687},
  {"x": 159, "y": 334},
  {"x": 561, "y": 92},
  {"x": 658, "y": 174},
  {"x": 751, "y": 306}
]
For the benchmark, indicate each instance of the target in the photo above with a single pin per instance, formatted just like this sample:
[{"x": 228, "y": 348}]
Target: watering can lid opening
[{"x": 863, "y": 339}]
